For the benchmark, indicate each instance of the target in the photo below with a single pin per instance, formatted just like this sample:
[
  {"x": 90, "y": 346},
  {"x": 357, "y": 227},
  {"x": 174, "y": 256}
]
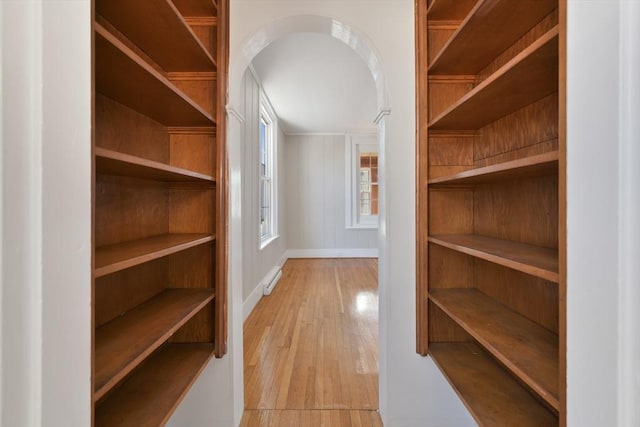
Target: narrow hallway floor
[{"x": 311, "y": 347}]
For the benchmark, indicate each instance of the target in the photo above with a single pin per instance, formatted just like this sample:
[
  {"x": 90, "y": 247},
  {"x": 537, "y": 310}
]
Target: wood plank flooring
[{"x": 311, "y": 347}]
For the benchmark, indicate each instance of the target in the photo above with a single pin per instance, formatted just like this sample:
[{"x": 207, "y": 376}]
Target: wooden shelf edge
[
  {"x": 545, "y": 394},
  {"x": 141, "y": 63},
  {"x": 514, "y": 264},
  {"x": 531, "y": 162},
  {"x": 140, "y": 258},
  {"x": 496, "y": 76},
  {"x": 480, "y": 11},
  {"x": 194, "y": 300},
  {"x": 497, "y": 401},
  {"x": 143, "y": 168},
  {"x": 152, "y": 393},
  {"x": 177, "y": 25}
]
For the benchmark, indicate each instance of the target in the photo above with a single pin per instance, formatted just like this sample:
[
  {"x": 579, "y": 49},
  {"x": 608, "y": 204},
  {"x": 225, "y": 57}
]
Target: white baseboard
[
  {"x": 332, "y": 253},
  {"x": 252, "y": 300}
]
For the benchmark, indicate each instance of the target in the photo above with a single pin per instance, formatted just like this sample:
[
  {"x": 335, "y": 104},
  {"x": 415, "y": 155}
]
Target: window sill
[{"x": 267, "y": 241}]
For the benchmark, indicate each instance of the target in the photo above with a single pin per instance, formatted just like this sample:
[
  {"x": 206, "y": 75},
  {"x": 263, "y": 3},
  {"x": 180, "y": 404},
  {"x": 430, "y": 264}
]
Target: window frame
[
  {"x": 267, "y": 115},
  {"x": 354, "y": 145}
]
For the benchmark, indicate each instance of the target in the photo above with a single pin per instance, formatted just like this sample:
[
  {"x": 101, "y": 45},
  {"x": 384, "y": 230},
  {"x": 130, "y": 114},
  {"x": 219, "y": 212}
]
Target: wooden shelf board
[
  {"x": 128, "y": 79},
  {"x": 539, "y": 165},
  {"x": 157, "y": 27},
  {"x": 524, "y": 347},
  {"x": 152, "y": 393},
  {"x": 493, "y": 397},
  {"x": 470, "y": 49},
  {"x": 534, "y": 260},
  {"x": 528, "y": 77},
  {"x": 192, "y": 8},
  {"x": 115, "y": 163},
  {"x": 126, "y": 341},
  {"x": 449, "y": 10},
  {"x": 112, "y": 258}
]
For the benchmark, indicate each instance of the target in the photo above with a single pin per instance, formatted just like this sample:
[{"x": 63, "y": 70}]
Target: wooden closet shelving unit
[
  {"x": 491, "y": 247},
  {"x": 159, "y": 281}
]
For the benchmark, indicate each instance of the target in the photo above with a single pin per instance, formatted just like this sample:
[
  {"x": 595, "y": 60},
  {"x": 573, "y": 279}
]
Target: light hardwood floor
[{"x": 311, "y": 347}]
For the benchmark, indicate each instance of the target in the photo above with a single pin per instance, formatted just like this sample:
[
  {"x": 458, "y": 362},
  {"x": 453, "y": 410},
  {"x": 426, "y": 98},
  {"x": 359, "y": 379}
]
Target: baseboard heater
[{"x": 272, "y": 280}]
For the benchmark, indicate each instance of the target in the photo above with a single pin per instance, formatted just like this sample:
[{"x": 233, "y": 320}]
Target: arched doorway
[{"x": 253, "y": 45}]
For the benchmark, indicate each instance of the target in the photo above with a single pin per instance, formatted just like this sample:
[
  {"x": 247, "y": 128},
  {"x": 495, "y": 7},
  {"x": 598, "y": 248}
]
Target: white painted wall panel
[
  {"x": 315, "y": 188},
  {"x": 256, "y": 262}
]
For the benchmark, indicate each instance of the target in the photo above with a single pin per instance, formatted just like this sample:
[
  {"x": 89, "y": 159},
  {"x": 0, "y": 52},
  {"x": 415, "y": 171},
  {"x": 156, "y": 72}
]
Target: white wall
[
  {"x": 603, "y": 381},
  {"x": 315, "y": 188},
  {"x": 258, "y": 262},
  {"x": 46, "y": 218}
]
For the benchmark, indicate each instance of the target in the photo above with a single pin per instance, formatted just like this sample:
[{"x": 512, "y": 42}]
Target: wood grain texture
[
  {"x": 538, "y": 261},
  {"x": 525, "y": 348},
  {"x": 124, "y": 76},
  {"x": 470, "y": 49},
  {"x": 112, "y": 258},
  {"x": 205, "y": 28},
  {"x": 443, "y": 93},
  {"x": 158, "y": 29},
  {"x": 114, "y": 163},
  {"x": 222, "y": 178},
  {"x": 199, "y": 87},
  {"x": 449, "y": 268},
  {"x": 149, "y": 396},
  {"x": 445, "y": 10},
  {"x": 450, "y": 212},
  {"x": 124, "y": 130},
  {"x": 545, "y": 25},
  {"x": 309, "y": 418},
  {"x": 543, "y": 164},
  {"x": 443, "y": 329},
  {"x": 129, "y": 209},
  {"x": 492, "y": 396},
  {"x": 528, "y": 77},
  {"x": 422, "y": 176},
  {"x": 534, "y": 124},
  {"x": 532, "y": 297},
  {"x": 125, "y": 342},
  {"x": 524, "y": 210},
  {"x": 196, "y": 7},
  {"x": 193, "y": 151},
  {"x": 312, "y": 344}
]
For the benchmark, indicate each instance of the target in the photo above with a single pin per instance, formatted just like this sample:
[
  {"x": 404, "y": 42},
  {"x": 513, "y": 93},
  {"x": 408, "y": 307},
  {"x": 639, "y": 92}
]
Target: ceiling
[{"x": 317, "y": 84}]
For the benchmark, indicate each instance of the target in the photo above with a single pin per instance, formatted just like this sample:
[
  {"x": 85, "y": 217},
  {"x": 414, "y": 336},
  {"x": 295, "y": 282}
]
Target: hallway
[{"x": 311, "y": 347}]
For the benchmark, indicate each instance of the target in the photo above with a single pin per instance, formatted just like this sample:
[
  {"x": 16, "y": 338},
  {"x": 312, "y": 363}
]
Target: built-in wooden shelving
[
  {"x": 537, "y": 261},
  {"x": 525, "y": 79},
  {"x": 450, "y": 10},
  {"x": 112, "y": 258},
  {"x": 524, "y": 347},
  {"x": 125, "y": 77},
  {"x": 505, "y": 20},
  {"x": 197, "y": 7},
  {"x": 491, "y": 204},
  {"x": 127, "y": 340},
  {"x": 542, "y": 164},
  {"x": 151, "y": 394},
  {"x": 111, "y": 162},
  {"x": 160, "y": 203},
  {"x": 160, "y": 31},
  {"x": 493, "y": 397}
]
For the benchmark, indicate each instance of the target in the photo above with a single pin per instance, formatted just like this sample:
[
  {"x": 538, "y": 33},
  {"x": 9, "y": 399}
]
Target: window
[
  {"x": 362, "y": 181},
  {"x": 267, "y": 186}
]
